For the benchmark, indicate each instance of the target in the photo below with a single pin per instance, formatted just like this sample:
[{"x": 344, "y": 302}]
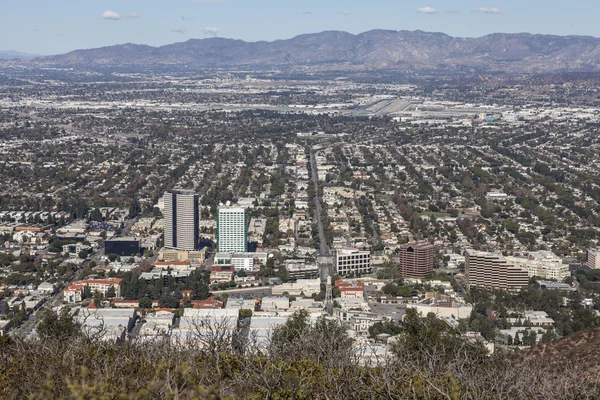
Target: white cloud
[
  {"x": 211, "y": 31},
  {"x": 180, "y": 31},
  {"x": 108, "y": 14},
  {"x": 426, "y": 10},
  {"x": 486, "y": 10}
]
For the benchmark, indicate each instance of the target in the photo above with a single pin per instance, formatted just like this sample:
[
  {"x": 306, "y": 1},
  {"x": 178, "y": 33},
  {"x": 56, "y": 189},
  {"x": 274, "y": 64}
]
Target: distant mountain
[
  {"x": 11, "y": 55},
  {"x": 376, "y": 49}
]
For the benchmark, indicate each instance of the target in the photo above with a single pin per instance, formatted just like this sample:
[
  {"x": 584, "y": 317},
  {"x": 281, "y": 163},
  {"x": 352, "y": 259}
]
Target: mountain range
[
  {"x": 11, "y": 55},
  {"x": 376, "y": 49}
]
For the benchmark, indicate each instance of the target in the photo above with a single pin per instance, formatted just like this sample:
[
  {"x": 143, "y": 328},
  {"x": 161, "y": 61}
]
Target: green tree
[
  {"x": 59, "y": 326},
  {"x": 111, "y": 292},
  {"x": 145, "y": 302},
  {"x": 168, "y": 301}
]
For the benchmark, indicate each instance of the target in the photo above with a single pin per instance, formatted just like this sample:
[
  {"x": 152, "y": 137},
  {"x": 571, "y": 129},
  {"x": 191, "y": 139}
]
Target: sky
[{"x": 58, "y": 26}]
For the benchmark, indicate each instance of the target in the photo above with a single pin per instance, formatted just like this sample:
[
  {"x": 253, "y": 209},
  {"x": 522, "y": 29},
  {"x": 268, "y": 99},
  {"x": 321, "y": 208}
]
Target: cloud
[
  {"x": 345, "y": 12},
  {"x": 180, "y": 31},
  {"x": 210, "y": 31},
  {"x": 426, "y": 10},
  {"x": 454, "y": 11},
  {"x": 184, "y": 18},
  {"x": 305, "y": 13},
  {"x": 486, "y": 10},
  {"x": 109, "y": 14}
]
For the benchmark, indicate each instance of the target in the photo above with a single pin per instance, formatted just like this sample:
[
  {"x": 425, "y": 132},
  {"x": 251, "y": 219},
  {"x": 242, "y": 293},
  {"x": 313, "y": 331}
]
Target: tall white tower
[{"x": 232, "y": 229}]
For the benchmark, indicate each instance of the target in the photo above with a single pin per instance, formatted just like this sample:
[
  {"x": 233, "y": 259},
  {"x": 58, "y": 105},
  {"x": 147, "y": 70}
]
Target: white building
[
  {"x": 543, "y": 264},
  {"x": 232, "y": 229},
  {"x": 241, "y": 261},
  {"x": 302, "y": 287},
  {"x": 353, "y": 261}
]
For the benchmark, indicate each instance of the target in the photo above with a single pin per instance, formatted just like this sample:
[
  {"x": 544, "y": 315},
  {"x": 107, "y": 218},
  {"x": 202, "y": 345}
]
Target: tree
[
  {"x": 87, "y": 292},
  {"x": 145, "y": 302},
  {"x": 112, "y": 257},
  {"x": 98, "y": 299},
  {"x": 59, "y": 326},
  {"x": 245, "y": 313},
  {"x": 111, "y": 292},
  {"x": 325, "y": 341},
  {"x": 390, "y": 289},
  {"x": 134, "y": 208},
  {"x": 168, "y": 301},
  {"x": 517, "y": 340}
]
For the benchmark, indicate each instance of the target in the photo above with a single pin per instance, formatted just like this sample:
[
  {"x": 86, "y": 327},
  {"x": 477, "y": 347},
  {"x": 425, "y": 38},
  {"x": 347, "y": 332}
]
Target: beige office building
[
  {"x": 493, "y": 271},
  {"x": 593, "y": 258}
]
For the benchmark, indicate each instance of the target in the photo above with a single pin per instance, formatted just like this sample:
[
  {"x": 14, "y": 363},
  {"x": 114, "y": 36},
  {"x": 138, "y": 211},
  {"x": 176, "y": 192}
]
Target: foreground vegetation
[{"x": 300, "y": 361}]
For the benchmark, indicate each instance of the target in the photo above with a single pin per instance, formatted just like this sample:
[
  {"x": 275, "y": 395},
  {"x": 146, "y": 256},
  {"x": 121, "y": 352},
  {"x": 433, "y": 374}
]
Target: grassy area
[{"x": 435, "y": 214}]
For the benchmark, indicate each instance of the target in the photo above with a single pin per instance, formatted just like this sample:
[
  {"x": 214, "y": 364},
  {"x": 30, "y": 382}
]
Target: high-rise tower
[
  {"x": 182, "y": 219},
  {"x": 232, "y": 229}
]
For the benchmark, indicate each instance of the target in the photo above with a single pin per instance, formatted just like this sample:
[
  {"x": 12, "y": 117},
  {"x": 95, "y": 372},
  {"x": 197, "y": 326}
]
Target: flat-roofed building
[
  {"x": 182, "y": 220},
  {"x": 241, "y": 261},
  {"x": 493, "y": 271},
  {"x": 543, "y": 264},
  {"x": 353, "y": 261},
  {"x": 123, "y": 246},
  {"x": 593, "y": 258},
  {"x": 232, "y": 229},
  {"x": 416, "y": 260},
  {"x": 196, "y": 256}
]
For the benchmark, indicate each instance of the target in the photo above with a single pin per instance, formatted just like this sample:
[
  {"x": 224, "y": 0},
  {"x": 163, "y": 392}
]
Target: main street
[{"x": 324, "y": 268}]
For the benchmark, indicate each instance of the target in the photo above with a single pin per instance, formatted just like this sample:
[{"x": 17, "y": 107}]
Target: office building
[
  {"x": 416, "y": 260},
  {"x": 182, "y": 218},
  {"x": 593, "y": 258},
  {"x": 493, "y": 271},
  {"x": 353, "y": 261},
  {"x": 124, "y": 246},
  {"x": 232, "y": 230},
  {"x": 542, "y": 264}
]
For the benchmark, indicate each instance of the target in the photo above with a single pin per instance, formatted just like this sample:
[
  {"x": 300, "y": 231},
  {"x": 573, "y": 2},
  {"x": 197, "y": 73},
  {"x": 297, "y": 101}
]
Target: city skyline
[{"x": 70, "y": 25}]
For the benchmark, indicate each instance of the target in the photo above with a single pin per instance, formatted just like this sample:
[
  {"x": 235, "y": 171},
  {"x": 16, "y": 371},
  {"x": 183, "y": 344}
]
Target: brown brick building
[{"x": 416, "y": 260}]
